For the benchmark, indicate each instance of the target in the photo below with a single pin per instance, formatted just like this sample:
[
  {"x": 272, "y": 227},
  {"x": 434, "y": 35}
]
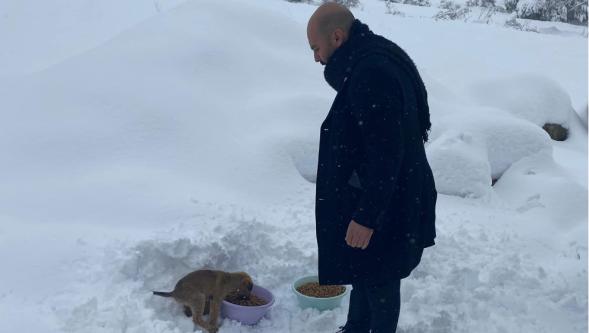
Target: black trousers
[{"x": 374, "y": 308}]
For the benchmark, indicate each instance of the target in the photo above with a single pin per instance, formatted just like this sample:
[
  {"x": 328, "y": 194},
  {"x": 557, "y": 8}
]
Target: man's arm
[{"x": 377, "y": 104}]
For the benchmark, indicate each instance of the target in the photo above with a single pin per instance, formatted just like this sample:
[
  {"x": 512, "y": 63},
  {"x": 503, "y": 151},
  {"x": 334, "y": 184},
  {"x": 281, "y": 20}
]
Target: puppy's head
[{"x": 245, "y": 285}]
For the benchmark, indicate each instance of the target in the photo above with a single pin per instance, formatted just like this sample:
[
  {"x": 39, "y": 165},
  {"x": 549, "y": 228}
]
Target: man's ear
[{"x": 338, "y": 37}]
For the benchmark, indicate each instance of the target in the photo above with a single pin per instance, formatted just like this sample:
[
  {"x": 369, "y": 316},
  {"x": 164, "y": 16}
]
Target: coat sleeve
[{"x": 377, "y": 105}]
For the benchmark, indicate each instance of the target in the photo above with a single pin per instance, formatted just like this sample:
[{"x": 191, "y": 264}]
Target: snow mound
[
  {"x": 163, "y": 112},
  {"x": 29, "y": 26},
  {"x": 248, "y": 246},
  {"x": 535, "y": 98},
  {"x": 537, "y": 186},
  {"x": 460, "y": 165},
  {"x": 296, "y": 127},
  {"x": 583, "y": 115},
  {"x": 505, "y": 138}
]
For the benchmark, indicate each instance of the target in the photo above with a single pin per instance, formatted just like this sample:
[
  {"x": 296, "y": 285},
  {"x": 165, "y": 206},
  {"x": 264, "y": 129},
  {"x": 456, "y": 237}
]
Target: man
[{"x": 375, "y": 194}]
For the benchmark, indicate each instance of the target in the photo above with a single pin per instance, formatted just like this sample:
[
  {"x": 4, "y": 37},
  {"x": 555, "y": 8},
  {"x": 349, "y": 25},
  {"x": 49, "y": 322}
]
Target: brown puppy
[{"x": 208, "y": 287}]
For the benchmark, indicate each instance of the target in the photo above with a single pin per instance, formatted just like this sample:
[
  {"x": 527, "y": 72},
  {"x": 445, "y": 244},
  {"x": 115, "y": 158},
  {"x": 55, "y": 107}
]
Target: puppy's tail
[{"x": 163, "y": 293}]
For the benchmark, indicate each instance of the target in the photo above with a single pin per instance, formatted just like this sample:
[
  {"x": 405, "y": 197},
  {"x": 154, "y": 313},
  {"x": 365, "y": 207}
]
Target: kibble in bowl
[
  {"x": 322, "y": 297},
  {"x": 250, "y": 310},
  {"x": 252, "y": 300},
  {"x": 314, "y": 289}
]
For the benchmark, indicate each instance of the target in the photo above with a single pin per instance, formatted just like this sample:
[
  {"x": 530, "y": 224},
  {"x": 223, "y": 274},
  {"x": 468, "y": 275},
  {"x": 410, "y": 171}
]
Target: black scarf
[{"x": 363, "y": 42}]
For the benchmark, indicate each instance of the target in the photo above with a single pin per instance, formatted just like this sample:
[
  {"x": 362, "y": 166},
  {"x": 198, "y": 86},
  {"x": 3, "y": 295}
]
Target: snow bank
[
  {"x": 167, "y": 111},
  {"x": 540, "y": 187},
  {"x": 535, "y": 98},
  {"x": 503, "y": 139},
  {"x": 41, "y": 34},
  {"x": 460, "y": 165},
  {"x": 584, "y": 115}
]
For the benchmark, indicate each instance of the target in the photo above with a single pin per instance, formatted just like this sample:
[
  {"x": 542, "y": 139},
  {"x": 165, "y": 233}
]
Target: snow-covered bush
[
  {"x": 510, "y": 5},
  {"x": 423, "y": 3},
  {"x": 480, "y": 3},
  {"x": 517, "y": 24},
  {"x": 571, "y": 11},
  {"x": 550, "y": 10},
  {"x": 451, "y": 11},
  {"x": 577, "y": 11},
  {"x": 393, "y": 10},
  {"x": 347, "y": 3},
  {"x": 486, "y": 14},
  {"x": 513, "y": 23}
]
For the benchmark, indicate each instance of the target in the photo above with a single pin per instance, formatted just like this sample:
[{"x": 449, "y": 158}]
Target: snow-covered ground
[{"x": 144, "y": 140}]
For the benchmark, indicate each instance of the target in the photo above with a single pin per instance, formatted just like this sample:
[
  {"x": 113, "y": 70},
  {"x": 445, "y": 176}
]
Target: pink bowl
[{"x": 249, "y": 315}]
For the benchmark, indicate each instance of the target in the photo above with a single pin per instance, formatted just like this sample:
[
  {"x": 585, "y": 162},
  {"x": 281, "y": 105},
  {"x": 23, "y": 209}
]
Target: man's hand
[{"x": 358, "y": 236}]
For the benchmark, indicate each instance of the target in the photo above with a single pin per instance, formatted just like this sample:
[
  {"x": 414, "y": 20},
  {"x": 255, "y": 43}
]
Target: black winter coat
[{"x": 372, "y": 164}]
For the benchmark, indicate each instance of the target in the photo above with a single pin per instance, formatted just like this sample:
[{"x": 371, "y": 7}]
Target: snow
[
  {"x": 531, "y": 97},
  {"x": 505, "y": 138},
  {"x": 41, "y": 35},
  {"x": 155, "y": 138},
  {"x": 460, "y": 164}
]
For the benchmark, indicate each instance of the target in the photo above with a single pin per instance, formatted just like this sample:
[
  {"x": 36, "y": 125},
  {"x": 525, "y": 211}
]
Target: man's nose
[{"x": 317, "y": 59}]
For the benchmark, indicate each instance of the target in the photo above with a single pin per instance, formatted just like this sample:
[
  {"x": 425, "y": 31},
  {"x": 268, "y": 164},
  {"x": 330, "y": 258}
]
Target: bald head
[
  {"x": 331, "y": 16},
  {"x": 328, "y": 29}
]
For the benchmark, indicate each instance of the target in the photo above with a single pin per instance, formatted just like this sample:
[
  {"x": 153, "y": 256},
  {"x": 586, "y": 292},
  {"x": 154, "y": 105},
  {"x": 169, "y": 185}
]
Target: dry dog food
[
  {"x": 253, "y": 300},
  {"x": 313, "y": 289}
]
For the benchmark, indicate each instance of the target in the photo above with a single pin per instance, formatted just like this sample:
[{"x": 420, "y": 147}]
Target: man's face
[{"x": 321, "y": 44}]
